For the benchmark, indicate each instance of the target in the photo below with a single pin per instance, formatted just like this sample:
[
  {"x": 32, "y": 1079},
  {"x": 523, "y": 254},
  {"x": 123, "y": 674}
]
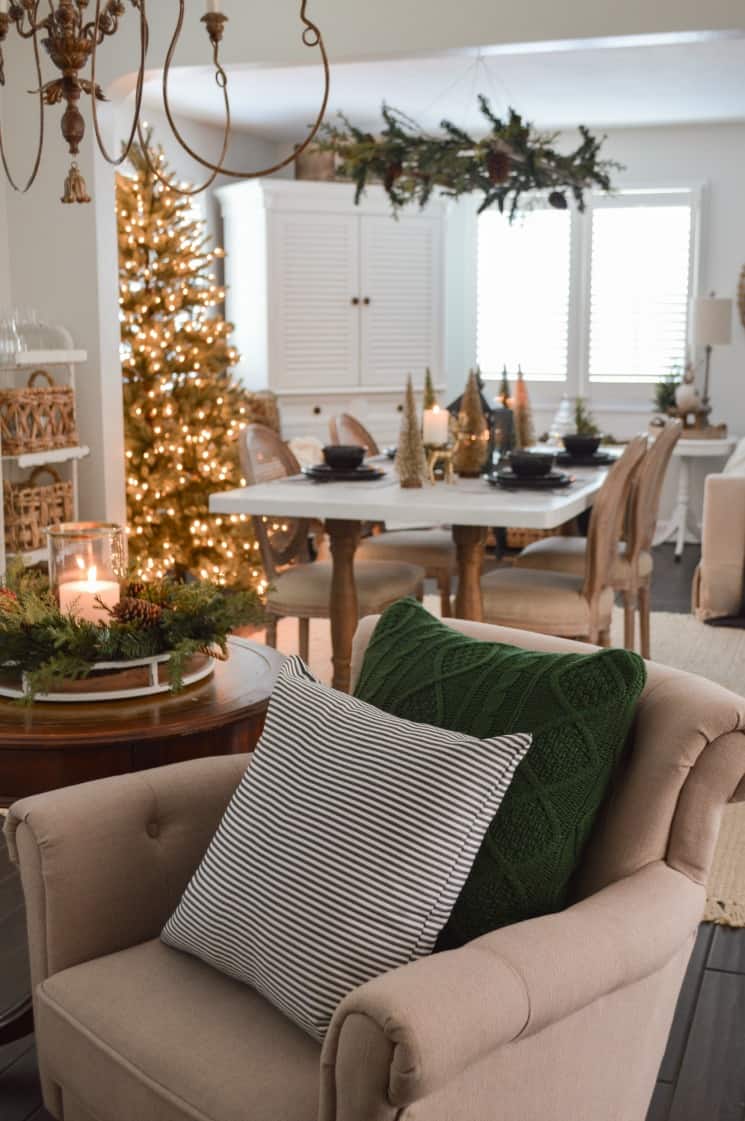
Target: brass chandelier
[{"x": 71, "y": 40}]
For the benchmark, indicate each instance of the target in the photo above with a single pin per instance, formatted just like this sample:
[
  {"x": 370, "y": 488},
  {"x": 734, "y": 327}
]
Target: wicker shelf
[
  {"x": 13, "y": 465},
  {"x": 37, "y": 556},
  {"x": 26, "y": 358},
  {"x": 56, "y": 455}
]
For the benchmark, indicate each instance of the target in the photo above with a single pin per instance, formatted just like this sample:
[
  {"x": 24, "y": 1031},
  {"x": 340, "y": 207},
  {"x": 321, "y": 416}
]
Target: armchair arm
[
  {"x": 721, "y": 575},
  {"x": 103, "y": 864},
  {"x": 417, "y": 1028}
]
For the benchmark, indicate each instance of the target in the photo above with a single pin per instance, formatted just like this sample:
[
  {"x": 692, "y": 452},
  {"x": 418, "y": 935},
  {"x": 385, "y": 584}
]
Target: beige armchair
[
  {"x": 719, "y": 580},
  {"x": 562, "y": 1018}
]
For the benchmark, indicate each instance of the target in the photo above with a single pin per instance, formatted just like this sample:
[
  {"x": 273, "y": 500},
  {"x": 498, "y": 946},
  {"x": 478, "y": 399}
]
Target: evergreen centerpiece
[
  {"x": 512, "y": 159},
  {"x": 52, "y": 648},
  {"x": 183, "y": 409}
]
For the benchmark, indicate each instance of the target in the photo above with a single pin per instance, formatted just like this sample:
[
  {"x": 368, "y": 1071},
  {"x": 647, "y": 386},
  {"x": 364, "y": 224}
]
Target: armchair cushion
[
  {"x": 343, "y": 850},
  {"x": 169, "y": 1038},
  {"x": 579, "y": 708}
]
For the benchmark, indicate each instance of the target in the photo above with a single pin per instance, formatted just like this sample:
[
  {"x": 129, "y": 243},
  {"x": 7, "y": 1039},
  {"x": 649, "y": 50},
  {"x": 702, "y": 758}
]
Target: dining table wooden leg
[
  {"x": 343, "y": 609},
  {"x": 469, "y": 546}
]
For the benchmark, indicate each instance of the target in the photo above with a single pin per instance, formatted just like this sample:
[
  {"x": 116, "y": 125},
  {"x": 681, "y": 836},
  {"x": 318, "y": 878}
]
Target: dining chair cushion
[
  {"x": 579, "y": 708},
  {"x": 430, "y": 548},
  {"x": 541, "y": 601},
  {"x": 305, "y": 590},
  {"x": 567, "y": 554},
  {"x": 343, "y": 849}
]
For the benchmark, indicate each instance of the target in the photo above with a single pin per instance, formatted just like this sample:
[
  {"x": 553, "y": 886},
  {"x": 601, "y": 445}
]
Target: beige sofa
[
  {"x": 719, "y": 580},
  {"x": 562, "y": 1018}
]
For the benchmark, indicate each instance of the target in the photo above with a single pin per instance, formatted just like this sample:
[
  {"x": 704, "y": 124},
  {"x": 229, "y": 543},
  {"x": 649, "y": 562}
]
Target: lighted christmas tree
[{"x": 183, "y": 409}]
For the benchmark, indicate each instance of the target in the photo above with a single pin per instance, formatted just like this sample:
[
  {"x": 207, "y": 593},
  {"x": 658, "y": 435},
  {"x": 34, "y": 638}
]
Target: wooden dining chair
[
  {"x": 300, "y": 587},
  {"x": 568, "y": 604},
  {"x": 631, "y": 574},
  {"x": 346, "y": 429},
  {"x": 431, "y": 547}
]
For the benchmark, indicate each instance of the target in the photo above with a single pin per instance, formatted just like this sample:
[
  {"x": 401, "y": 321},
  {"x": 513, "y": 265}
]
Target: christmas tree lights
[{"x": 183, "y": 409}]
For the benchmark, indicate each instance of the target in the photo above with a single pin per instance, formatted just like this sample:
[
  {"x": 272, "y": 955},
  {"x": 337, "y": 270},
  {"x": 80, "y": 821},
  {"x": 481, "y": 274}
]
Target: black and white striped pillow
[{"x": 343, "y": 850}]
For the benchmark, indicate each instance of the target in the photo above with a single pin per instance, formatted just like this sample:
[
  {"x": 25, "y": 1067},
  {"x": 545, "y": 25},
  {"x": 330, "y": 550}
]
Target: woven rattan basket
[
  {"x": 37, "y": 418},
  {"x": 31, "y": 507}
]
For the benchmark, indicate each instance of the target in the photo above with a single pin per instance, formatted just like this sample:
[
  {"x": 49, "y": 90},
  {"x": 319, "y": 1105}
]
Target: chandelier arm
[
  {"x": 144, "y": 42},
  {"x": 18, "y": 14},
  {"x": 37, "y": 162},
  {"x": 311, "y": 38},
  {"x": 186, "y": 192}
]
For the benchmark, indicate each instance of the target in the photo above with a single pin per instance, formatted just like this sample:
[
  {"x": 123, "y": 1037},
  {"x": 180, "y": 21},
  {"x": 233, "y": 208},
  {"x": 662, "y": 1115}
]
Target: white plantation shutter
[
  {"x": 639, "y": 292},
  {"x": 523, "y": 292}
]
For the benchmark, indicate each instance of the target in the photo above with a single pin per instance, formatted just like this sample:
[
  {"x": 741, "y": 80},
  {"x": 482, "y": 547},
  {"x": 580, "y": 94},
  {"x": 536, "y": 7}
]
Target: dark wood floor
[{"x": 702, "y": 1077}]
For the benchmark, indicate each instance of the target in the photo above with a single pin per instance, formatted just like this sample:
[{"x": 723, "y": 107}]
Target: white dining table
[{"x": 470, "y": 506}]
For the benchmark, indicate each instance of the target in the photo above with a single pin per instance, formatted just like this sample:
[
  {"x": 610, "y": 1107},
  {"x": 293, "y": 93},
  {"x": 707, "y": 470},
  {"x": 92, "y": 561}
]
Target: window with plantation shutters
[
  {"x": 524, "y": 293},
  {"x": 639, "y": 287},
  {"x": 592, "y": 298}
]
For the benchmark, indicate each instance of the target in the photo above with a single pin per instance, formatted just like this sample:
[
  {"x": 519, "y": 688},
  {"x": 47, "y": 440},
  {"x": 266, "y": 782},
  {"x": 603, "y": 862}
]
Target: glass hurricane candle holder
[{"x": 87, "y": 566}]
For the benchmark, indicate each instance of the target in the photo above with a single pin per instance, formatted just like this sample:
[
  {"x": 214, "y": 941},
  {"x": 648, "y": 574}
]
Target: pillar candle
[
  {"x": 436, "y": 426},
  {"x": 80, "y": 598}
]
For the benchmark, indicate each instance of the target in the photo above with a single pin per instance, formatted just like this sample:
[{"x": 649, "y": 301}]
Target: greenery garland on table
[
  {"x": 512, "y": 159},
  {"x": 150, "y": 619}
]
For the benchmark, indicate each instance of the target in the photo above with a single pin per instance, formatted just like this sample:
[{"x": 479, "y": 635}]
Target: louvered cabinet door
[
  {"x": 401, "y": 287},
  {"x": 314, "y": 319}
]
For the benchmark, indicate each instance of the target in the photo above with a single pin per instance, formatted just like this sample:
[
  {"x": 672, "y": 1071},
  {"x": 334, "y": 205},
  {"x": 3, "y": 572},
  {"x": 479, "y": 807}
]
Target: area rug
[{"x": 679, "y": 641}]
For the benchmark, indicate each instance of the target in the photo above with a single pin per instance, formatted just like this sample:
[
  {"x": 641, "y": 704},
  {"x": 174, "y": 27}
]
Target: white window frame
[{"x": 611, "y": 394}]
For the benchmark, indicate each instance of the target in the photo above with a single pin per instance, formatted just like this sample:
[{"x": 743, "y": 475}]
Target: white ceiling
[{"x": 552, "y": 85}]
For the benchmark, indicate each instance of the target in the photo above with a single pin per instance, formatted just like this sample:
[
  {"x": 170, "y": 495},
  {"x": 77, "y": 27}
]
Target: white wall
[
  {"x": 245, "y": 152},
  {"x": 5, "y": 291},
  {"x": 708, "y": 156},
  {"x": 63, "y": 262}
]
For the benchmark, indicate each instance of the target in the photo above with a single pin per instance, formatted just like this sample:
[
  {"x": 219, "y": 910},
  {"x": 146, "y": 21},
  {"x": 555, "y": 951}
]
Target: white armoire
[{"x": 333, "y": 303}]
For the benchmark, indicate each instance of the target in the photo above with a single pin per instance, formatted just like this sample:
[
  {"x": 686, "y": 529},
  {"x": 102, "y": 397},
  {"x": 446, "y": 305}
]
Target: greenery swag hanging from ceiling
[{"x": 511, "y": 160}]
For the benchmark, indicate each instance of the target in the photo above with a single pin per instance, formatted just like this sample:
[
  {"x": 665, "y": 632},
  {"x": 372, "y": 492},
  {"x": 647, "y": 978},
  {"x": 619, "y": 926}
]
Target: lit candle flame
[{"x": 92, "y": 573}]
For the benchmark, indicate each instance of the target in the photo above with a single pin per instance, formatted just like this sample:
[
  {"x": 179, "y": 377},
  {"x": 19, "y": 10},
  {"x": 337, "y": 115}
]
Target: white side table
[{"x": 678, "y": 525}]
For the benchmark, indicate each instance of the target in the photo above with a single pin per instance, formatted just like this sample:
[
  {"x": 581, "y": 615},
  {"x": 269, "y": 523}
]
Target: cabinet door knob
[
  {"x": 366, "y": 301},
  {"x": 355, "y": 301}
]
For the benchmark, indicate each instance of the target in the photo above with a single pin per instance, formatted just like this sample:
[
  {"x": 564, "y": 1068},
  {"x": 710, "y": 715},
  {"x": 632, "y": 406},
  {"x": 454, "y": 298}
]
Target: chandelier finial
[{"x": 75, "y": 188}]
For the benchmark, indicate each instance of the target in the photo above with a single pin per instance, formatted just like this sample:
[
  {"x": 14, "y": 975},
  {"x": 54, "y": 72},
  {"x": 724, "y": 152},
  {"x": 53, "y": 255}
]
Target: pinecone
[
  {"x": 136, "y": 589},
  {"x": 498, "y": 165},
  {"x": 133, "y": 610}
]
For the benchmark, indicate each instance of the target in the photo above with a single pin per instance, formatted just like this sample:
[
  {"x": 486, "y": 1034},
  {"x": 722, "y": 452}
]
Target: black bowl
[
  {"x": 343, "y": 457},
  {"x": 581, "y": 446},
  {"x": 531, "y": 465}
]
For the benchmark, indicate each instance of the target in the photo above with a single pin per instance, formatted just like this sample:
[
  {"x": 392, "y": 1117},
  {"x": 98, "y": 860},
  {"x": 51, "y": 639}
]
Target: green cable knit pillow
[{"x": 579, "y": 708}]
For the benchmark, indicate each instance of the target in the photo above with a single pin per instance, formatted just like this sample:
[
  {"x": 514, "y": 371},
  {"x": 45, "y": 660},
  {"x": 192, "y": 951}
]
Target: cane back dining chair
[
  {"x": 300, "y": 587},
  {"x": 431, "y": 548},
  {"x": 346, "y": 429},
  {"x": 631, "y": 574},
  {"x": 568, "y": 604}
]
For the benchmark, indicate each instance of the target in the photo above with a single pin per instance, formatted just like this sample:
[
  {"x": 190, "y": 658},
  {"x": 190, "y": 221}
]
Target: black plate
[
  {"x": 599, "y": 459},
  {"x": 510, "y": 481},
  {"x": 322, "y": 473}
]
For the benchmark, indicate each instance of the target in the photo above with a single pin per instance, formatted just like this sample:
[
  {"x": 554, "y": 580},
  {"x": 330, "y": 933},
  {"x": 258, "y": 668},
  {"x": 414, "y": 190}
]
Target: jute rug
[{"x": 677, "y": 640}]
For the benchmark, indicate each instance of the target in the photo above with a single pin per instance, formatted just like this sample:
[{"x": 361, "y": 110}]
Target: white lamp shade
[{"x": 712, "y": 321}]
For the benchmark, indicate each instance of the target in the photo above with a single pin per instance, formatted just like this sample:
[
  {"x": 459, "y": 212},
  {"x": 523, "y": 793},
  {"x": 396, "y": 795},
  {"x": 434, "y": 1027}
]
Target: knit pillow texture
[{"x": 578, "y": 708}]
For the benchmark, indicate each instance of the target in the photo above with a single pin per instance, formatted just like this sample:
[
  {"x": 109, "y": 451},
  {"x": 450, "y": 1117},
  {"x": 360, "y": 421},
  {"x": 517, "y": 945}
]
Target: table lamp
[{"x": 712, "y": 326}]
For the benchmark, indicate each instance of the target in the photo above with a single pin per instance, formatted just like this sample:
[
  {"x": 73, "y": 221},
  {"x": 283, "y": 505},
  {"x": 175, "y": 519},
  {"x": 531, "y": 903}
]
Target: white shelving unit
[{"x": 61, "y": 364}]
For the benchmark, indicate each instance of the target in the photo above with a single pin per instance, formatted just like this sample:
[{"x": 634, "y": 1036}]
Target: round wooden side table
[{"x": 44, "y": 746}]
